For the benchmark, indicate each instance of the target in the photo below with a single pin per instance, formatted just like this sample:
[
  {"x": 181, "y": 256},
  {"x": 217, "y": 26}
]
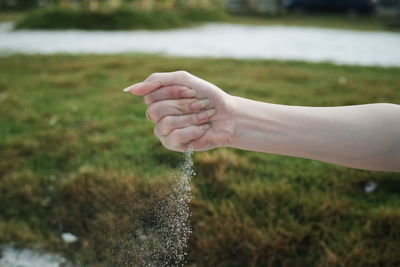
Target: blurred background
[
  {"x": 80, "y": 169},
  {"x": 204, "y": 10}
]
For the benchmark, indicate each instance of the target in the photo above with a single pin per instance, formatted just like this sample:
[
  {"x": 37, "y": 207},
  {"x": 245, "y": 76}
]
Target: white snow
[
  {"x": 219, "y": 40},
  {"x": 11, "y": 257}
]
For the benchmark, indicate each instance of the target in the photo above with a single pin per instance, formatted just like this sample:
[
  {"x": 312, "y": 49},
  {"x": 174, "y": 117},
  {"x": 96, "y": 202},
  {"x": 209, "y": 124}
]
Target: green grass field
[{"x": 77, "y": 155}]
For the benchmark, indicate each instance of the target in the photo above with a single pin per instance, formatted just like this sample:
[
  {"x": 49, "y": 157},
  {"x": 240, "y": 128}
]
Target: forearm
[{"x": 363, "y": 136}]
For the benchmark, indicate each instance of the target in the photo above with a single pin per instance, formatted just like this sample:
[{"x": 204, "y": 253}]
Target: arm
[
  {"x": 364, "y": 136},
  {"x": 187, "y": 109}
]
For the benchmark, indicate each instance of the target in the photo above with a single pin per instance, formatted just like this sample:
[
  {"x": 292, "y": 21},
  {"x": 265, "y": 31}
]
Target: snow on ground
[
  {"x": 11, "y": 257},
  {"x": 219, "y": 40}
]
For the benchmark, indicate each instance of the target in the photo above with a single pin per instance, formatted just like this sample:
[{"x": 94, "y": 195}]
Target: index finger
[{"x": 169, "y": 92}]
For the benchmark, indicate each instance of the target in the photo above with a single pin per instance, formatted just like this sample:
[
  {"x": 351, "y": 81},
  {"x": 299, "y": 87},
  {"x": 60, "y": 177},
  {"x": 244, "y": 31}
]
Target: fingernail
[
  {"x": 129, "y": 88},
  {"x": 206, "y": 126},
  {"x": 200, "y": 104},
  {"x": 148, "y": 115},
  {"x": 206, "y": 114},
  {"x": 188, "y": 93}
]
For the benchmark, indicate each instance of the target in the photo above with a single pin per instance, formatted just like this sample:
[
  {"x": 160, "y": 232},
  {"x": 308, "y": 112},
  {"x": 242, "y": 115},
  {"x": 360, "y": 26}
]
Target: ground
[{"x": 79, "y": 156}]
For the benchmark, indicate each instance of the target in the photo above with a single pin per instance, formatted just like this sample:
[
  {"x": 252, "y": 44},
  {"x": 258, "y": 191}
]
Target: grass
[
  {"x": 11, "y": 16},
  {"x": 77, "y": 155}
]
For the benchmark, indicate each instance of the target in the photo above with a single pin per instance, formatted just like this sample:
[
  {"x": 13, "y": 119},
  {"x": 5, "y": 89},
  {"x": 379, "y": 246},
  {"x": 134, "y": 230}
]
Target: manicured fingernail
[
  {"x": 200, "y": 104},
  {"x": 206, "y": 114},
  {"x": 206, "y": 126},
  {"x": 188, "y": 93}
]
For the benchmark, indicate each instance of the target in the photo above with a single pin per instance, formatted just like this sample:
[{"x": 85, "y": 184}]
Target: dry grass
[{"x": 77, "y": 155}]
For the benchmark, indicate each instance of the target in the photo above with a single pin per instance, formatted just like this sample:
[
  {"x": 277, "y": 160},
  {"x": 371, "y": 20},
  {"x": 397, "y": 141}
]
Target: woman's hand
[{"x": 187, "y": 109}]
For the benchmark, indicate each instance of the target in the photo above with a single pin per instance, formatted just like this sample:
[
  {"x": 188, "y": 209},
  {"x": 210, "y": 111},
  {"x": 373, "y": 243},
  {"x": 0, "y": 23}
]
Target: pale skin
[{"x": 187, "y": 109}]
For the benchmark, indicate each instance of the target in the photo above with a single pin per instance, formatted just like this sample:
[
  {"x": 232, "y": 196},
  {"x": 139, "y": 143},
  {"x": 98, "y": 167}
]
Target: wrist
[{"x": 257, "y": 126}]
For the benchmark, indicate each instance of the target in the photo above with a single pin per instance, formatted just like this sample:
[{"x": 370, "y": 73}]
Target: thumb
[{"x": 143, "y": 88}]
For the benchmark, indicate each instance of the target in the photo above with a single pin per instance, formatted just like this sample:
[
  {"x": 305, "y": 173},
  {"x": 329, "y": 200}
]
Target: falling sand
[{"x": 162, "y": 242}]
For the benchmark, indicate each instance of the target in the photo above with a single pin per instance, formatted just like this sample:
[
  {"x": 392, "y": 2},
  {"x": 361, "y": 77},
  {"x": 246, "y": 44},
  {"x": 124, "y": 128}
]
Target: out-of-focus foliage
[
  {"x": 111, "y": 4},
  {"x": 18, "y": 4},
  {"x": 116, "y": 19},
  {"x": 117, "y": 14},
  {"x": 269, "y": 7}
]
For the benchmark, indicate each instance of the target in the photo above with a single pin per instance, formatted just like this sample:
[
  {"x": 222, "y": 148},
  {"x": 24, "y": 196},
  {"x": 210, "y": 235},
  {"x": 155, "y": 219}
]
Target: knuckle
[
  {"x": 175, "y": 137},
  {"x": 182, "y": 74},
  {"x": 192, "y": 119},
  {"x": 153, "y": 112},
  {"x": 183, "y": 106},
  {"x": 169, "y": 144},
  {"x": 167, "y": 123},
  {"x": 166, "y": 145},
  {"x": 179, "y": 137},
  {"x": 175, "y": 91},
  {"x": 160, "y": 130},
  {"x": 147, "y": 99},
  {"x": 153, "y": 76},
  {"x": 165, "y": 126}
]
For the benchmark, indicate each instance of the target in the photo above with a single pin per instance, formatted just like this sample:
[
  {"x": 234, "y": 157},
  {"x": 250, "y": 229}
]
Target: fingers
[
  {"x": 174, "y": 107},
  {"x": 179, "y": 139},
  {"x": 157, "y": 80},
  {"x": 169, "y": 92},
  {"x": 169, "y": 123}
]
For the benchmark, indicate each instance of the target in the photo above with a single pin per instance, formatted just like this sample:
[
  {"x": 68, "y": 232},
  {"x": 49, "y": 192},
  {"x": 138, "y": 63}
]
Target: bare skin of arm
[{"x": 187, "y": 109}]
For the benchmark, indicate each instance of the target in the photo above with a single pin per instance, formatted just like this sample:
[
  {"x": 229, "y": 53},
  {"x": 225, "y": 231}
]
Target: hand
[{"x": 187, "y": 110}]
